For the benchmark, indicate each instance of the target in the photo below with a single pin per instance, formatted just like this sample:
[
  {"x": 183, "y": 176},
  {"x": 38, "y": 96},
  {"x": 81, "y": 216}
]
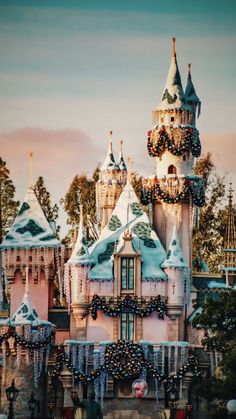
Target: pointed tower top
[
  {"x": 80, "y": 251},
  {"x": 190, "y": 92},
  {"x": 129, "y": 177},
  {"x": 230, "y": 236},
  {"x": 174, "y": 258},
  {"x": 109, "y": 162},
  {"x": 122, "y": 164},
  {"x": 173, "y": 95}
]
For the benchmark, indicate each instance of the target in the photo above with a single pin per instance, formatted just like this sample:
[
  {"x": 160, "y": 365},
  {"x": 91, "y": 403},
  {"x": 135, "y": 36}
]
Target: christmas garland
[
  {"x": 127, "y": 304},
  {"x": 124, "y": 359},
  {"x": 26, "y": 343},
  {"x": 155, "y": 194},
  {"x": 159, "y": 141}
]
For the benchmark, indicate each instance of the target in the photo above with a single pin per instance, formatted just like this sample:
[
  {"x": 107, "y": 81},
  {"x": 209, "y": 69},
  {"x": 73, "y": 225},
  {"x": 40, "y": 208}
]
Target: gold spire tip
[
  {"x": 30, "y": 170},
  {"x": 189, "y": 66},
  {"x": 174, "y": 46},
  {"x": 110, "y": 133}
]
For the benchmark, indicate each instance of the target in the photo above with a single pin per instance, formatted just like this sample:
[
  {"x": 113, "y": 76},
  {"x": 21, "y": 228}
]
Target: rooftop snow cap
[
  {"x": 174, "y": 258},
  {"x": 26, "y": 313},
  {"x": 121, "y": 163},
  {"x": 190, "y": 92},
  {"x": 80, "y": 252},
  {"x": 109, "y": 163},
  {"x": 30, "y": 228},
  {"x": 127, "y": 215},
  {"x": 173, "y": 96}
]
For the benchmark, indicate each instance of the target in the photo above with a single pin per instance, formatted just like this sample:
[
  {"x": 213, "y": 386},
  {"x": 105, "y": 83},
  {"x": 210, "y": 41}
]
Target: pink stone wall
[
  {"x": 100, "y": 329},
  {"x": 38, "y": 294},
  {"x": 155, "y": 330}
]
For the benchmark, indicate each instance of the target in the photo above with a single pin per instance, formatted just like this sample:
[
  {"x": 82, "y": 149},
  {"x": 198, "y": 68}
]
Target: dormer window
[
  {"x": 127, "y": 273},
  {"x": 127, "y": 326}
]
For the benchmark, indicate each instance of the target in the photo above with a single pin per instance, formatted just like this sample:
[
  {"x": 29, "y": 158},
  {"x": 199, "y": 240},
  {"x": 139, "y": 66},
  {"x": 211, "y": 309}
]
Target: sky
[{"x": 71, "y": 71}]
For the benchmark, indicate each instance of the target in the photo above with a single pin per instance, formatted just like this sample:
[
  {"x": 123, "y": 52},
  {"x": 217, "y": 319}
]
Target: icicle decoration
[
  {"x": 96, "y": 383},
  {"x": 87, "y": 352},
  {"x": 67, "y": 279},
  {"x": 173, "y": 212},
  {"x": 81, "y": 358}
]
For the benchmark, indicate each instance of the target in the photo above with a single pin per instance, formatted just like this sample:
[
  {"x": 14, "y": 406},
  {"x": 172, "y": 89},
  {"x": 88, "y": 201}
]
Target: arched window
[{"x": 172, "y": 170}]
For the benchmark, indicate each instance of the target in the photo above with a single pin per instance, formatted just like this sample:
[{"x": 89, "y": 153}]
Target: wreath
[{"x": 124, "y": 359}]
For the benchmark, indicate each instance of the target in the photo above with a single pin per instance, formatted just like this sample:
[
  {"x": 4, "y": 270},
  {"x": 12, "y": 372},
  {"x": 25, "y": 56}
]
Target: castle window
[
  {"x": 127, "y": 273},
  {"x": 172, "y": 118},
  {"x": 172, "y": 170},
  {"x": 162, "y": 119},
  {"x": 184, "y": 157},
  {"x": 127, "y": 326}
]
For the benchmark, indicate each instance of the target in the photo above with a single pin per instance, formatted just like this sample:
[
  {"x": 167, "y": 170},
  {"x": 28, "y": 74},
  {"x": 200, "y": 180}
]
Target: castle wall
[
  {"x": 100, "y": 329},
  {"x": 155, "y": 330},
  {"x": 39, "y": 294}
]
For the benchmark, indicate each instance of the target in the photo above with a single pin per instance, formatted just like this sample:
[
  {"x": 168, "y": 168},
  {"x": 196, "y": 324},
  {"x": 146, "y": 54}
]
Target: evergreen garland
[
  {"x": 155, "y": 194},
  {"x": 159, "y": 141},
  {"x": 125, "y": 359},
  {"x": 127, "y": 304},
  {"x": 20, "y": 340}
]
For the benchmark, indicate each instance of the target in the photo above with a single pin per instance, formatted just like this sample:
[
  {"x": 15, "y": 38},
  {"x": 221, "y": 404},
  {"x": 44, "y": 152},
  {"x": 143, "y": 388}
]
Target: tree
[
  {"x": 218, "y": 319},
  {"x": 44, "y": 198},
  {"x": 82, "y": 191},
  {"x": 207, "y": 235},
  {"x": 8, "y": 205}
]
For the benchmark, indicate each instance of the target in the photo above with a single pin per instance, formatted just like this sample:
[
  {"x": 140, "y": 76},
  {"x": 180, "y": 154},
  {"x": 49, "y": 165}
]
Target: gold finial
[
  {"x": 129, "y": 166},
  {"x": 173, "y": 47},
  {"x": 110, "y": 133},
  {"x": 30, "y": 170},
  {"x": 121, "y": 146}
]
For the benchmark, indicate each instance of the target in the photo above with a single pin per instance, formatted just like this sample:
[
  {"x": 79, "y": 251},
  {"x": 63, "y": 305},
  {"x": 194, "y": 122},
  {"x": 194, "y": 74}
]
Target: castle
[{"x": 128, "y": 296}]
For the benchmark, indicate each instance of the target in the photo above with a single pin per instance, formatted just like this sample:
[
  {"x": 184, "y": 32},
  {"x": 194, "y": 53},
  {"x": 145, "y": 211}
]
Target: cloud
[
  {"x": 222, "y": 146},
  {"x": 58, "y": 156}
]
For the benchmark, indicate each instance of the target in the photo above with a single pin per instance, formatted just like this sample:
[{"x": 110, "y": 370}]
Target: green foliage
[
  {"x": 207, "y": 235},
  {"x": 218, "y": 319},
  {"x": 8, "y": 206},
  {"x": 82, "y": 191},
  {"x": 44, "y": 198}
]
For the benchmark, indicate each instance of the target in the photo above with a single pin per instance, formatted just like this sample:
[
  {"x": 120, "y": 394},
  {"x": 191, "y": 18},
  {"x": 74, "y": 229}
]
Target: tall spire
[
  {"x": 230, "y": 236},
  {"x": 173, "y": 95},
  {"x": 121, "y": 163},
  {"x": 191, "y": 96},
  {"x": 109, "y": 162}
]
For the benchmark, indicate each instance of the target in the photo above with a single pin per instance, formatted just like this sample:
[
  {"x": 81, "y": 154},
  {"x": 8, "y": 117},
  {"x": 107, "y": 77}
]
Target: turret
[
  {"x": 112, "y": 178},
  {"x": 191, "y": 97},
  {"x": 174, "y": 142},
  {"x": 75, "y": 280},
  {"x": 230, "y": 243},
  {"x": 177, "y": 271}
]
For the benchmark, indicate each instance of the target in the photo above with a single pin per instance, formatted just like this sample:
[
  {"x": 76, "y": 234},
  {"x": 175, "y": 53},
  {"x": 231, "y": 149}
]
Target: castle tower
[
  {"x": 75, "y": 282},
  {"x": 31, "y": 245},
  {"x": 112, "y": 178},
  {"x": 230, "y": 244},
  {"x": 174, "y": 142}
]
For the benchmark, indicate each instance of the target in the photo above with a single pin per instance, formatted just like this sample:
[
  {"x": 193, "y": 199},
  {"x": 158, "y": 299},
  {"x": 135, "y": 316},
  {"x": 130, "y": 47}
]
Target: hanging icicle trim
[
  {"x": 173, "y": 191},
  {"x": 127, "y": 304},
  {"x": 132, "y": 354}
]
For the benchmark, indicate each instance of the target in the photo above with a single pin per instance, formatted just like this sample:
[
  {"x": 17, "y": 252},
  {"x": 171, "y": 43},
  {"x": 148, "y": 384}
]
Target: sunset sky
[{"x": 70, "y": 71}]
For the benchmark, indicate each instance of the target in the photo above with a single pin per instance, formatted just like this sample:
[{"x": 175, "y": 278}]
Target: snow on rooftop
[
  {"x": 80, "y": 252},
  {"x": 127, "y": 215},
  {"x": 174, "y": 258},
  {"x": 30, "y": 228},
  {"x": 109, "y": 162}
]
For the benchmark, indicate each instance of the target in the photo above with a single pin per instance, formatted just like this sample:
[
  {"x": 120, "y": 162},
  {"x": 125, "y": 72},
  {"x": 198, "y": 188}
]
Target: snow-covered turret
[
  {"x": 112, "y": 178},
  {"x": 75, "y": 278},
  {"x": 191, "y": 97},
  {"x": 176, "y": 269}
]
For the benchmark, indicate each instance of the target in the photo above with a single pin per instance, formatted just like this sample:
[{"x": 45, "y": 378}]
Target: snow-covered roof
[
  {"x": 174, "y": 258},
  {"x": 173, "y": 96},
  {"x": 121, "y": 162},
  {"x": 26, "y": 313},
  {"x": 190, "y": 92},
  {"x": 109, "y": 162},
  {"x": 127, "y": 215},
  {"x": 30, "y": 228},
  {"x": 80, "y": 252}
]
